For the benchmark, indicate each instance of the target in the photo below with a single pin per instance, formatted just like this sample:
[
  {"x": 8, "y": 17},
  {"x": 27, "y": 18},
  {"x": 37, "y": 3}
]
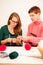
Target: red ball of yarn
[
  {"x": 2, "y": 47},
  {"x": 27, "y": 46}
]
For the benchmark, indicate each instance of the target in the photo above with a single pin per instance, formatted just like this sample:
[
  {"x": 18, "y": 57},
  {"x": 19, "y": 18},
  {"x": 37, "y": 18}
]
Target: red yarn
[
  {"x": 27, "y": 46},
  {"x": 2, "y": 47}
]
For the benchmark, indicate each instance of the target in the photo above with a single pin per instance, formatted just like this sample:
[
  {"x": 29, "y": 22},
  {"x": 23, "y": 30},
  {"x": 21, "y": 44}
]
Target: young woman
[{"x": 10, "y": 32}]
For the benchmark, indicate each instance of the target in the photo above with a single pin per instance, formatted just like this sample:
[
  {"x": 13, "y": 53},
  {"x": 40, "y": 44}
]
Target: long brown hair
[{"x": 17, "y": 29}]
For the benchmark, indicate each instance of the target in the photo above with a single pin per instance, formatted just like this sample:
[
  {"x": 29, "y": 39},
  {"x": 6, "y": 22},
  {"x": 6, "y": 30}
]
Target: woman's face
[{"x": 14, "y": 21}]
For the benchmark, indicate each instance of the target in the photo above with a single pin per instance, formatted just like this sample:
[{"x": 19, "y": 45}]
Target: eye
[{"x": 14, "y": 21}]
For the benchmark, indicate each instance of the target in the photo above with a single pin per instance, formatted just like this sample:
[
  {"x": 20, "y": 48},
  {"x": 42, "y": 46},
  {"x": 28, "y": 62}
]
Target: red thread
[
  {"x": 27, "y": 46},
  {"x": 2, "y": 47}
]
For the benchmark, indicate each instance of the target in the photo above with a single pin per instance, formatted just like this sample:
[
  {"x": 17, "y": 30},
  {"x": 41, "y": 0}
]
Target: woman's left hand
[
  {"x": 18, "y": 41},
  {"x": 13, "y": 40}
]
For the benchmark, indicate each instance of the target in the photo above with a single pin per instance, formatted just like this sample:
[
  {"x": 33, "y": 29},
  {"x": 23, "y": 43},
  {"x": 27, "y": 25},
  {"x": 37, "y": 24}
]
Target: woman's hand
[
  {"x": 6, "y": 40},
  {"x": 9, "y": 40},
  {"x": 16, "y": 40},
  {"x": 13, "y": 40},
  {"x": 20, "y": 38}
]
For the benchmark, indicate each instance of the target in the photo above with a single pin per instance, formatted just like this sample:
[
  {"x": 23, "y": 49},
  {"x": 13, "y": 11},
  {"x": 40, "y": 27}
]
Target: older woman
[{"x": 10, "y": 32}]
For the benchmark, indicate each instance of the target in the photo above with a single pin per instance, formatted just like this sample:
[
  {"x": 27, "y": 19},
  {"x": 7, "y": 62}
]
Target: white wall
[{"x": 21, "y": 7}]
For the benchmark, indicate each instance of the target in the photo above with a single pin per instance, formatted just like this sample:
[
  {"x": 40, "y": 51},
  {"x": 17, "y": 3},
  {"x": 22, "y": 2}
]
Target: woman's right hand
[
  {"x": 6, "y": 40},
  {"x": 9, "y": 40}
]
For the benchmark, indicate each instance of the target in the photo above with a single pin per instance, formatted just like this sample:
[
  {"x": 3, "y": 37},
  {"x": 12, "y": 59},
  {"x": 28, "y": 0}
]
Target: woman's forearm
[{"x": 4, "y": 41}]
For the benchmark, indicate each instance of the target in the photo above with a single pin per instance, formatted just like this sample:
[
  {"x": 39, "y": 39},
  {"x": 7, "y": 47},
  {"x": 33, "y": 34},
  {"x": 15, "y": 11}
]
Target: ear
[{"x": 10, "y": 21}]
